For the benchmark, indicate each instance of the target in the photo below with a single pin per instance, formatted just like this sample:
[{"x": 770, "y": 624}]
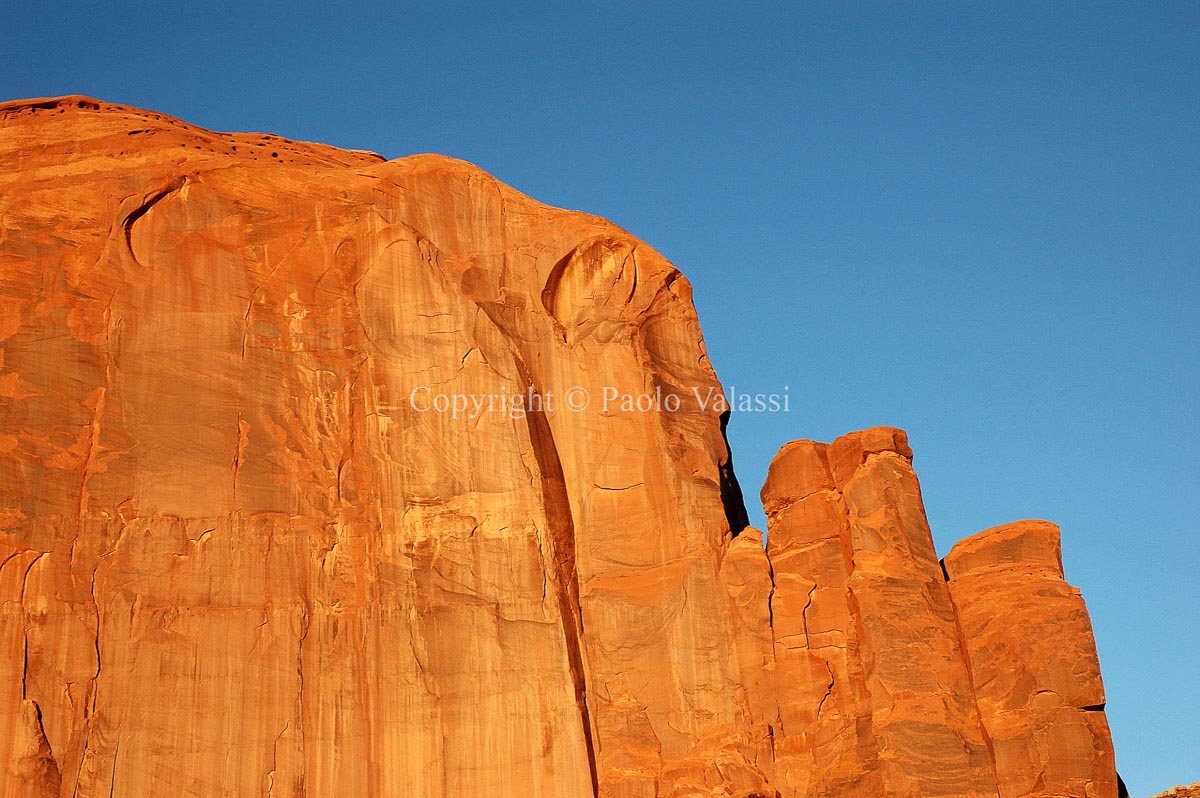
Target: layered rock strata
[{"x": 317, "y": 477}]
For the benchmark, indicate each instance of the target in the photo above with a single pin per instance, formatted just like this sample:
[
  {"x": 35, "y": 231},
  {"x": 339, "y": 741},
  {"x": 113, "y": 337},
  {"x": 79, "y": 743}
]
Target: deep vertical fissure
[
  {"x": 564, "y": 575},
  {"x": 731, "y": 492},
  {"x": 561, "y": 536},
  {"x": 965, "y": 656}
]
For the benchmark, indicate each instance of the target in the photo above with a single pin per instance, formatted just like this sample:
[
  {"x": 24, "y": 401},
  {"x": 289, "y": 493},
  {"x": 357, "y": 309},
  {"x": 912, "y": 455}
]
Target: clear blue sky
[{"x": 976, "y": 221}]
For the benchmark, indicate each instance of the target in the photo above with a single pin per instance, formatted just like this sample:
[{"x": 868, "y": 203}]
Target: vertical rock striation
[
  {"x": 1033, "y": 663},
  {"x": 318, "y": 477},
  {"x": 244, "y": 551},
  {"x": 896, "y": 675},
  {"x": 875, "y": 689}
]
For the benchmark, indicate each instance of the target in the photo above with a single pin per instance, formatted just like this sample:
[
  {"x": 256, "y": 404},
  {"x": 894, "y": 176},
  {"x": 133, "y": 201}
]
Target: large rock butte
[{"x": 242, "y": 552}]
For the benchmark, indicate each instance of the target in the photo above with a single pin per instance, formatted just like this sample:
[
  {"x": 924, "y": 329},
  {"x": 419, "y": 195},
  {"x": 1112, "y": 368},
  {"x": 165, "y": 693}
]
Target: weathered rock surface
[
  {"x": 875, "y": 690},
  {"x": 239, "y": 560},
  {"x": 1033, "y": 663},
  {"x": 1190, "y": 791},
  {"x": 243, "y": 550}
]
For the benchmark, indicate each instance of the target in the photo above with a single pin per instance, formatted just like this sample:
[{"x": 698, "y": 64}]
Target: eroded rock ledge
[{"x": 1181, "y": 792}]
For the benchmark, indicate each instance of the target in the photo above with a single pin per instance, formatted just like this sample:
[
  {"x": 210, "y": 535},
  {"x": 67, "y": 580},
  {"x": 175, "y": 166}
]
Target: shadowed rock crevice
[
  {"x": 731, "y": 491},
  {"x": 144, "y": 206},
  {"x": 564, "y": 576}
]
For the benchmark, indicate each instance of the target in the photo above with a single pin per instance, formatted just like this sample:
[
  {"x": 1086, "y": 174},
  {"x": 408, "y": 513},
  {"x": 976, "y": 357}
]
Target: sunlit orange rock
[
  {"x": 1033, "y": 663},
  {"x": 872, "y": 680},
  {"x": 327, "y": 475},
  {"x": 242, "y": 557},
  {"x": 891, "y": 682},
  {"x": 1191, "y": 791}
]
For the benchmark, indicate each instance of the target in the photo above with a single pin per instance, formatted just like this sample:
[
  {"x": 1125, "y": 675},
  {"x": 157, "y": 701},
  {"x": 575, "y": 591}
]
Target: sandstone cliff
[{"x": 252, "y": 544}]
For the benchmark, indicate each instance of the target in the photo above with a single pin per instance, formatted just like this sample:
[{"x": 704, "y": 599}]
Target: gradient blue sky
[{"x": 975, "y": 221}]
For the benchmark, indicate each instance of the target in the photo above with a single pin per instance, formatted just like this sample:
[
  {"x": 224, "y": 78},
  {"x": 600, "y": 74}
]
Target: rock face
[
  {"x": 1191, "y": 791},
  {"x": 327, "y": 475},
  {"x": 904, "y": 677},
  {"x": 875, "y": 689},
  {"x": 1039, "y": 691}
]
